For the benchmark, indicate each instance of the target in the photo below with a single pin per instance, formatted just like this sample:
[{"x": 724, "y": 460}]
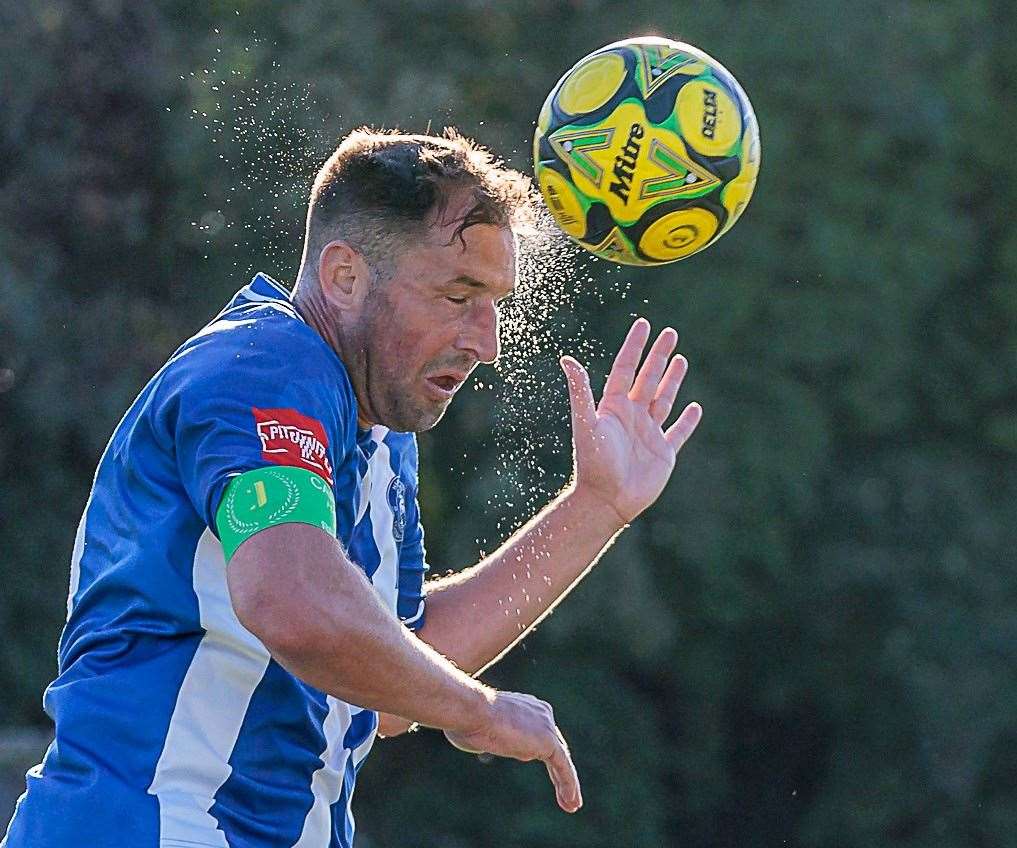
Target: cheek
[
  {"x": 430, "y": 339},
  {"x": 408, "y": 337},
  {"x": 404, "y": 353}
]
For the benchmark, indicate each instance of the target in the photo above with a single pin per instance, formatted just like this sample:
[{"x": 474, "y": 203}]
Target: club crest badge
[{"x": 397, "y": 503}]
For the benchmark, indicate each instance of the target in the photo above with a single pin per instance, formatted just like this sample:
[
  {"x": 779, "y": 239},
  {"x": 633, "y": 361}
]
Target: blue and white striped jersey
[{"x": 174, "y": 726}]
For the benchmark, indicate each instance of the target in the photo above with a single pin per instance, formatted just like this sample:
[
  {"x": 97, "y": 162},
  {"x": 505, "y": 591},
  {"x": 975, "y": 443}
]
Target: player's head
[{"x": 409, "y": 247}]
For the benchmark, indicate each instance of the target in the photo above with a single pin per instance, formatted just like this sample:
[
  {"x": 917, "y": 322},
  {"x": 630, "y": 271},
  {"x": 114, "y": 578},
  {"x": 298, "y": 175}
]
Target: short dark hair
[{"x": 380, "y": 186}]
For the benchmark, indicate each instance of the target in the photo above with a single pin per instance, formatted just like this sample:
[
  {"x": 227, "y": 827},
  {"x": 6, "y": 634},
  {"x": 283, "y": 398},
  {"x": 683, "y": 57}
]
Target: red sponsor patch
[{"x": 289, "y": 438}]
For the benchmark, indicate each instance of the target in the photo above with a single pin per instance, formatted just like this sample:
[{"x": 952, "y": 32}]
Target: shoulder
[
  {"x": 260, "y": 340},
  {"x": 259, "y": 356},
  {"x": 258, "y": 334}
]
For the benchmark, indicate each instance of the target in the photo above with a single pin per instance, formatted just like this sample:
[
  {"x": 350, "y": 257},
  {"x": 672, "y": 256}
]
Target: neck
[
  {"x": 313, "y": 308},
  {"x": 311, "y": 304}
]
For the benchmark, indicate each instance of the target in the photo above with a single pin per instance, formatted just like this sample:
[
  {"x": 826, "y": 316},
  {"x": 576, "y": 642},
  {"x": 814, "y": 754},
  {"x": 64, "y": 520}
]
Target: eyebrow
[{"x": 474, "y": 283}]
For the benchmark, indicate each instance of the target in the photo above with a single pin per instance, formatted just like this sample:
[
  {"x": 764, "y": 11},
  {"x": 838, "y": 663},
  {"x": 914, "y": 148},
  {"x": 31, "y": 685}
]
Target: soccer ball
[{"x": 646, "y": 151}]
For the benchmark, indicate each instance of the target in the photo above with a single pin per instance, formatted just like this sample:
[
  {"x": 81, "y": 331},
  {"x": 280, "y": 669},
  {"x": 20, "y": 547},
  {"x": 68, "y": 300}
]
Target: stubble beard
[
  {"x": 394, "y": 393},
  {"x": 407, "y": 416}
]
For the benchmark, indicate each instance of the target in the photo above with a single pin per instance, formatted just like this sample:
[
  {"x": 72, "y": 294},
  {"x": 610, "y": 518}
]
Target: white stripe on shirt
[
  {"x": 327, "y": 782},
  {"x": 386, "y": 576},
  {"x": 210, "y": 708}
]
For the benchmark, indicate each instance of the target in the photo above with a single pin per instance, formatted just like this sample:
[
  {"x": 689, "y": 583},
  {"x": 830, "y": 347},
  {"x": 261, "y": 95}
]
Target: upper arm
[
  {"x": 256, "y": 442},
  {"x": 241, "y": 407}
]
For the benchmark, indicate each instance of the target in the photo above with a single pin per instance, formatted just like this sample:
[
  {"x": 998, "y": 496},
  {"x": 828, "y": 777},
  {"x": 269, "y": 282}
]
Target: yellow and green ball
[{"x": 646, "y": 151}]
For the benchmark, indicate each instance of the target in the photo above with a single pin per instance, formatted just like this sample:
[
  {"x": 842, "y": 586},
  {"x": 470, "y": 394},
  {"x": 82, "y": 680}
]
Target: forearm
[
  {"x": 475, "y": 616},
  {"x": 344, "y": 641}
]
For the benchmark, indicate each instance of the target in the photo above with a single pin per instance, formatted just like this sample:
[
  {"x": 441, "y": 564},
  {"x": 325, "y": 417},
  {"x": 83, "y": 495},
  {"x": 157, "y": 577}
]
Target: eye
[{"x": 459, "y": 301}]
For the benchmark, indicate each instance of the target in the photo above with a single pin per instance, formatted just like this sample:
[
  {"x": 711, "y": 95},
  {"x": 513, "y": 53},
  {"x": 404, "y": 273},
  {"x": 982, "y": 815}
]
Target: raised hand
[
  {"x": 523, "y": 728},
  {"x": 623, "y": 454}
]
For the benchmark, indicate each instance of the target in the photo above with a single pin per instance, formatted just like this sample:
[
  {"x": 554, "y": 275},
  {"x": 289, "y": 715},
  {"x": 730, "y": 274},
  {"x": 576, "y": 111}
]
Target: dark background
[{"x": 811, "y": 639}]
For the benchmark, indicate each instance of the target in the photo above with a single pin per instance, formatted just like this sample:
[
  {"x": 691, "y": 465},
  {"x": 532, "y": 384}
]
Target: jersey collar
[
  {"x": 263, "y": 289},
  {"x": 369, "y": 439}
]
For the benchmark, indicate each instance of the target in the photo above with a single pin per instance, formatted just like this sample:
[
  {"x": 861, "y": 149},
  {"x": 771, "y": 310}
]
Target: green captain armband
[{"x": 264, "y": 497}]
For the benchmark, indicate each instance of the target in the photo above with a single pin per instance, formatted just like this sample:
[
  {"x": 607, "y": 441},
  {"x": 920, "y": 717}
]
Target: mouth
[{"x": 446, "y": 383}]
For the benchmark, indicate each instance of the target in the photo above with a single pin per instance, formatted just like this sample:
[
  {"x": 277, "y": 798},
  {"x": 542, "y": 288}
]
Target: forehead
[{"x": 485, "y": 253}]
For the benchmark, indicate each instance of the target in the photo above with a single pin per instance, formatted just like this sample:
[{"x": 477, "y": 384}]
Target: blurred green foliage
[{"x": 812, "y": 639}]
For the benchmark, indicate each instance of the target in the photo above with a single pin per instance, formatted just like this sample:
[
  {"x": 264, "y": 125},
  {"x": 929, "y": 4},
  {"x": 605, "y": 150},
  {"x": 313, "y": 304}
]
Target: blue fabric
[{"x": 148, "y": 621}]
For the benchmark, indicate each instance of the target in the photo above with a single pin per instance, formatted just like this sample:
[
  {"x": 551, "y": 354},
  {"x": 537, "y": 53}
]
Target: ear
[{"x": 343, "y": 275}]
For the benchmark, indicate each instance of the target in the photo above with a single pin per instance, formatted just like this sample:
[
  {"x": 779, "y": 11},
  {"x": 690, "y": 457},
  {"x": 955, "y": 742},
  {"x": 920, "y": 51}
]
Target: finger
[
  {"x": 619, "y": 381},
  {"x": 667, "y": 391},
  {"x": 645, "y": 387},
  {"x": 678, "y": 433},
  {"x": 562, "y": 772},
  {"x": 584, "y": 410}
]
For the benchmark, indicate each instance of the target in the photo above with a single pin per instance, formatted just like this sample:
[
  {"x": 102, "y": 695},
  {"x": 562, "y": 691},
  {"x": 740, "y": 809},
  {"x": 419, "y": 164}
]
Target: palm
[{"x": 623, "y": 454}]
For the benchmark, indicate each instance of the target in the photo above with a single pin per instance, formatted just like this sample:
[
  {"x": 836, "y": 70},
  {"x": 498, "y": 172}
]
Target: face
[{"x": 422, "y": 331}]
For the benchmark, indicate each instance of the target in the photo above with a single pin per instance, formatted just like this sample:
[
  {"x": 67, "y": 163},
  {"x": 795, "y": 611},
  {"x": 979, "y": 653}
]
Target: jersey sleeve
[
  {"x": 250, "y": 406},
  {"x": 412, "y": 567}
]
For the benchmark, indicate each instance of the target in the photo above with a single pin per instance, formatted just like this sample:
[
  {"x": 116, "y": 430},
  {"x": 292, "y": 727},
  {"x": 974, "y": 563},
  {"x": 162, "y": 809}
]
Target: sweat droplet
[{"x": 267, "y": 130}]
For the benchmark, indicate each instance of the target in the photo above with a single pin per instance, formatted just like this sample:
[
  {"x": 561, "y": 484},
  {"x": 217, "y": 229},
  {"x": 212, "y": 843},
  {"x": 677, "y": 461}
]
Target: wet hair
[{"x": 381, "y": 190}]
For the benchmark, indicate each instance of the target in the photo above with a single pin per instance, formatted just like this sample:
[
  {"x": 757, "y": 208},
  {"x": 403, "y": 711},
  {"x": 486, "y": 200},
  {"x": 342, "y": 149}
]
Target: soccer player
[{"x": 247, "y": 607}]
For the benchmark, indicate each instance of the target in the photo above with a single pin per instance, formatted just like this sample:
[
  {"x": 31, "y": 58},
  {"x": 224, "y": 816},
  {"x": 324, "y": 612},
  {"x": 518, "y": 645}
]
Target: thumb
[{"x": 584, "y": 410}]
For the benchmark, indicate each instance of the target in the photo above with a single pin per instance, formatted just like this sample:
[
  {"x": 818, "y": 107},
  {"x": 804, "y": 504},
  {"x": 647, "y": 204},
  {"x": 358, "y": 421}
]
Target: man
[{"x": 247, "y": 606}]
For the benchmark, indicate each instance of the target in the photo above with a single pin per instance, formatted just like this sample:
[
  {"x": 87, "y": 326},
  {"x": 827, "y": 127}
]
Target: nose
[{"x": 479, "y": 335}]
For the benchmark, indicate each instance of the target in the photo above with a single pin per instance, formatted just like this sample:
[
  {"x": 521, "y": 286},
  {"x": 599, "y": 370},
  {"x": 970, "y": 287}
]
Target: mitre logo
[
  {"x": 625, "y": 164},
  {"x": 289, "y": 438}
]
